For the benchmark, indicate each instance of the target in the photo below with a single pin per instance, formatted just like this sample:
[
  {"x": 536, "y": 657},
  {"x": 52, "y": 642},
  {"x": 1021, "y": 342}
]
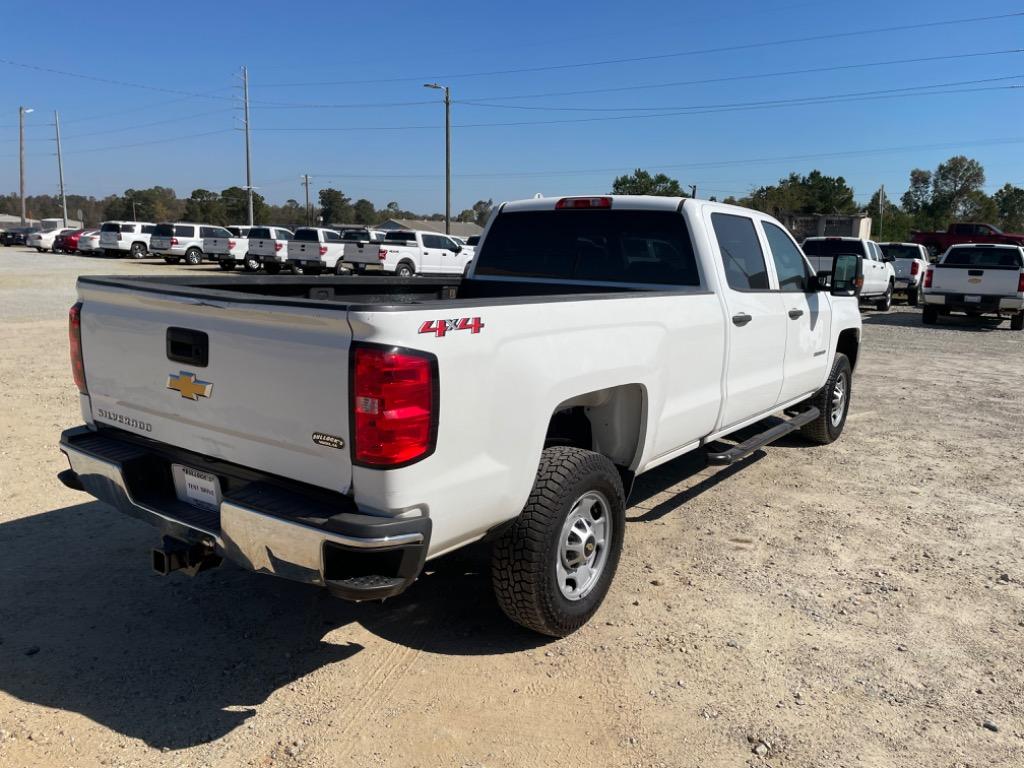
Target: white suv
[
  {"x": 183, "y": 240},
  {"x": 118, "y": 238}
]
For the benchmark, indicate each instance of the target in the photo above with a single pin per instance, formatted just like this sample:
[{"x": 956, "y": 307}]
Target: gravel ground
[{"x": 855, "y": 605}]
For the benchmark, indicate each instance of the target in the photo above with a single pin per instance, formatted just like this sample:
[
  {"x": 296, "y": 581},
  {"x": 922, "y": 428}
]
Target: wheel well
[
  {"x": 849, "y": 345},
  {"x": 607, "y": 421}
]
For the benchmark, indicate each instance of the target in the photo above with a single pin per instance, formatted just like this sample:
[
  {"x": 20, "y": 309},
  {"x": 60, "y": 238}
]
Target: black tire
[
  {"x": 41, "y": 250},
  {"x": 193, "y": 256},
  {"x": 138, "y": 251},
  {"x": 314, "y": 271},
  {"x": 1017, "y": 322},
  {"x": 524, "y": 559},
  {"x": 227, "y": 264},
  {"x": 913, "y": 296},
  {"x": 405, "y": 269},
  {"x": 341, "y": 269},
  {"x": 296, "y": 269},
  {"x": 829, "y": 425},
  {"x": 251, "y": 264},
  {"x": 172, "y": 259},
  {"x": 929, "y": 316},
  {"x": 272, "y": 268},
  {"x": 884, "y": 304}
]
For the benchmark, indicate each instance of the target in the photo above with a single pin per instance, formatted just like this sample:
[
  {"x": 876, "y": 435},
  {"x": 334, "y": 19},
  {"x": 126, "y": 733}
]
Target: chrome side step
[{"x": 750, "y": 445}]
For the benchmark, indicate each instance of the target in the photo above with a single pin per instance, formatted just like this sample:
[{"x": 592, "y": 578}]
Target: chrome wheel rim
[
  {"x": 839, "y": 392},
  {"x": 583, "y": 545}
]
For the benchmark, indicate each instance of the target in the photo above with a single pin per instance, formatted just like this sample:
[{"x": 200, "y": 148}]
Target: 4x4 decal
[{"x": 441, "y": 328}]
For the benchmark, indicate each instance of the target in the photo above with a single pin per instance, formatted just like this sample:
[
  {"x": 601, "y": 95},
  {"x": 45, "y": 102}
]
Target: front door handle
[
  {"x": 741, "y": 319},
  {"x": 795, "y": 314}
]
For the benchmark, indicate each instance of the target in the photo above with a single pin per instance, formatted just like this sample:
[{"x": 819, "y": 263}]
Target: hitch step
[
  {"x": 175, "y": 555},
  {"x": 770, "y": 435}
]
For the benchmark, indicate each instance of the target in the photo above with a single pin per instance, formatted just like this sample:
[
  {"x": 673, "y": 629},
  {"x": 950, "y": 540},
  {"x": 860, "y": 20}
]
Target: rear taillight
[
  {"x": 231, "y": 245},
  {"x": 394, "y": 406},
  {"x": 277, "y": 246},
  {"x": 323, "y": 250},
  {"x": 382, "y": 254},
  {"x": 915, "y": 267},
  {"x": 75, "y": 337},
  {"x": 174, "y": 241},
  {"x": 928, "y": 278},
  {"x": 119, "y": 237},
  {"x": 567, "y": 203},
  {"x": 1020, "y": 283}
]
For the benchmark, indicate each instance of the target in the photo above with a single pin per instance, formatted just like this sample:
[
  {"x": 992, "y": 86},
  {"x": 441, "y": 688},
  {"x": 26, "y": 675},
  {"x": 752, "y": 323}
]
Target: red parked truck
[{"x": 965, "y": 232}]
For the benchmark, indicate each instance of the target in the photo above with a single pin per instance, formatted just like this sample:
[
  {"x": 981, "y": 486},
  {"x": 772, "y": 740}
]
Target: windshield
[
  {"x": 983, "y": 257},
  {"x": 641, "y": 247},
  {"x": 901, "y": 251},
  {"x": 833, "y": 247}
]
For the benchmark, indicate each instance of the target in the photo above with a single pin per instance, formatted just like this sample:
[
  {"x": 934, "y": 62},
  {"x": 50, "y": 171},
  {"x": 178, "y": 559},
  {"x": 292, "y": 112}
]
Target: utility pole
[
  {"x": 248, "y": 149},
  {"x": 881, "y": 213},
  {"x": 134, "y": 217},
  {"x": 693, "y": 191},
  {"x": 60, "y": 169},
  {"x": 22, "y": 111},
  {"x": 305, "y": 178},
  {"x": 447, "y": 153}
]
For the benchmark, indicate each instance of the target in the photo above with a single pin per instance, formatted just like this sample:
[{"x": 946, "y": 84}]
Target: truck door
[
  {"x": 756, "y": 321},
  {"x": 433, "y": 253},
  {"x": 809, "y": 316}
]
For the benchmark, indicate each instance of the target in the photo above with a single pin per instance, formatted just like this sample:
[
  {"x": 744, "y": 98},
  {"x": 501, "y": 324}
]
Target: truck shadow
[
  {"x": 175, "y": 662},
  {"x": 913, "y": 320}
]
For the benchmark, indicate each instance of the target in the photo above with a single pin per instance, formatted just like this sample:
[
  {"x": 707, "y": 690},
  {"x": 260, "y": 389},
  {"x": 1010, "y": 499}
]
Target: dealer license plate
[
  {"x": 972, "y": 299},
  {"x": 200, "y": 489}
]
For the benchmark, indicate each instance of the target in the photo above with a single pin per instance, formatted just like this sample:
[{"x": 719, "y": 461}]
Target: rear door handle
[
  {"x": 796, "y": 313},
  {"x": 741, "y": 319}
]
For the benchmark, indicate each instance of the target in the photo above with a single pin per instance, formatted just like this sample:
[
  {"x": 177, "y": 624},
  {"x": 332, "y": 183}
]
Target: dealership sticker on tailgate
[{"x": 328, "y": 440}]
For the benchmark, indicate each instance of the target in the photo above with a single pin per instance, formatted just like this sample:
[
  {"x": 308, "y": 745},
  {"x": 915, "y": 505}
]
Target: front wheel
[
  {"x": 1017, "y": 322},
  {"x": 227, "y": 265},
  {"x": 251, "y": 264},
  {"x": 341, "y": 269},
  {"x": 138, "y": 251},
  {"x": 913, "y": 296},
  {"x": 884, "y": 304},
  {"x": 40, "y": 250},
  {"x": 272, "y": 267},
  {"x": 833, "y": 401},
  {"x": 193, "y": 256},
  {"x": 553, "y": 566},
  {"x": 929, "y": 316},
  {"x": 297, "y": 269}
]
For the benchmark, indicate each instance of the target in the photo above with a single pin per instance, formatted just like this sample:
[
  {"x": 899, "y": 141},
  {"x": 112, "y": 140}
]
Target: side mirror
[
  {"x": 847, "y": 275},
  {"x": 458, "y": 248}
]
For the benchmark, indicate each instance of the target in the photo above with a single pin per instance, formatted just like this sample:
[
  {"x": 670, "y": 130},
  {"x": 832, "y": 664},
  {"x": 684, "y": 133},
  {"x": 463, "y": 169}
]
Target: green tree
[
  {"x": 206, "y": 207},
  {"x": 482, "y": 211},
  {"x": 236, "y": 206},
  {"x": 364, "y": 212},
  {"x": 335, "y": 207},
  {"x": 796, "y": 194},
  {"x": 956, "y": 185},
  {"x": 643, "y": 183},
  {"x": 894, "y": 226},
  {"x": 1009, "y": 202}
]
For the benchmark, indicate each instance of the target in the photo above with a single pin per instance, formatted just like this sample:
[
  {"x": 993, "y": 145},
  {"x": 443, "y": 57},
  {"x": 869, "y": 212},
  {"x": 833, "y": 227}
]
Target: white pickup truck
[
  {"x": 909, "y": 263},
  {"x": 879, "y": 276},
  {"x": 405, "y": 253},
  {"x": 977, "y": 280},
  {"x": 315, "y": 250},
  {"x": 341, "y": 431},
  {"x": 269, "y": 246},
  {"x": 232, "y": 249}
]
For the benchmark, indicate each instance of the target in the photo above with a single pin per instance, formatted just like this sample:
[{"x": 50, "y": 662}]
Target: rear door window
[
  {"x": 184, "y": 230},
  {"x": 745, "y": 268},
  {"x": 790, "y": 265},
  {"x": 164, "y": 230},
  {"x": 148, "y": 229},
  {"x": 332, "y": 237},
  {"x": 129, "y": 228},
  {"x": 213, "y": 232},
  {"x": 284, "y": 234},
  {"x": 435, "y": 241}
]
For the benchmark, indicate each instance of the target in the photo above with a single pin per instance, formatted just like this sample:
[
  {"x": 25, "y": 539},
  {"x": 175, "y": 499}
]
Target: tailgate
[
  {"x": 275, "y": 376},
  {"x": 215, "y": 245},
  {"x": 983, "y": 281},
  {"x": 362, "y": 253}
]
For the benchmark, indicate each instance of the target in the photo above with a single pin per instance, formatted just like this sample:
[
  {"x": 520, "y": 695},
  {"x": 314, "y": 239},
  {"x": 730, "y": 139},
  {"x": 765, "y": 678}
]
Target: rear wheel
[
  {"x": 272, "y": 268},
  {"x": 251, "y": 265},
  {"x": 929, "y": 316},
  {"x": 193, "y": 256},
  {"x": 138, "y": 251},
  {"x": 553, "y": 566},
  {"x": 1017, "y": 322},
  {"x": 833, "y": 400},
  {"x": 313, "y": 271},
  {"x": 884, "y": 304},
  {"x": 341, "y": 269},
  {"x": 297, "y": 269},
  {"x": 913, "y": 296},
  {"x": 405, "y": 269},
  {"x": 40, "y": 250}
]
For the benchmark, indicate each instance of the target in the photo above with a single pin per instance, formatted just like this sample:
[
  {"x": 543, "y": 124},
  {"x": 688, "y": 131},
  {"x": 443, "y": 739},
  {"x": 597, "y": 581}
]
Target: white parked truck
[
  {"x": 879, "y": 276},
  {"x": 977, "y": 280},
  {"x": 269, "y": 245},
  {"x": 231, "y": 249},
  {"x": 909, "y": 263},
  {"x": 315, "y": 250},
  {"x": 341, "y": 431},
  {"x": 407, "y": 253}
]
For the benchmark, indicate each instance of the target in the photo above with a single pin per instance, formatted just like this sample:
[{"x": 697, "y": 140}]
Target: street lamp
[
  {"x": 22, "y": 111},
  {"x": 447, "y": 153}
]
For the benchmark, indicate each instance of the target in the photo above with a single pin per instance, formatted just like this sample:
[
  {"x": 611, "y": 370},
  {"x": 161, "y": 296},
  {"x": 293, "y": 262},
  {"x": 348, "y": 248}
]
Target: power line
[
  {"x": 662, "y": 56},
  {"x": 679, "y": 112},
  {"x": 750, "y": 76}
]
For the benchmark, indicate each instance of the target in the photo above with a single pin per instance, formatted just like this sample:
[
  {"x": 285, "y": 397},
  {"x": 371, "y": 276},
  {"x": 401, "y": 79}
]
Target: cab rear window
[
  {"x": 983, "y": 257},
  {"x": 608, "y": 246},
  {"x": 901, "y": 251},
  {"x": 307, "y": 236}
]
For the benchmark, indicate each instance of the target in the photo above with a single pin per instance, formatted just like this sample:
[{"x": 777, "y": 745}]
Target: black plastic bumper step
[{"x": 750, "y": 445}]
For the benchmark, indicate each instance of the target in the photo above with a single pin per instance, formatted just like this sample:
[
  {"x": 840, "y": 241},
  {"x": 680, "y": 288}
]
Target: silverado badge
[{"x": 188, "y": 386}]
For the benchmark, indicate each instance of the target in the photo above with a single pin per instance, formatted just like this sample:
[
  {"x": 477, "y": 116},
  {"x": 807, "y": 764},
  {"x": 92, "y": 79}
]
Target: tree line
[
  {"x": 229, "y": 206},
  {"x": 954, "y": 191}
]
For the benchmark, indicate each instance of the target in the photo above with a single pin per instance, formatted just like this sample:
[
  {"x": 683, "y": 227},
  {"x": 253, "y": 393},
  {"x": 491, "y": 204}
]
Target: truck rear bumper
[
  {"x": 263, "y": 524},
  {"x": 959, "y": 302}
]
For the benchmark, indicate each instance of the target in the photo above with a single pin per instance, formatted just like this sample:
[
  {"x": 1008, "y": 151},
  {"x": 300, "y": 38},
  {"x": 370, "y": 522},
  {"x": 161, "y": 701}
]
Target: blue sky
[{"x": 345, "y": 54}]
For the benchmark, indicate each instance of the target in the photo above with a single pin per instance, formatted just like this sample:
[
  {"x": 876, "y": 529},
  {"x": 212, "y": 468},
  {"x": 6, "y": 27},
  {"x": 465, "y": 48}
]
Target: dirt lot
[{"x": 855, "y": 605}]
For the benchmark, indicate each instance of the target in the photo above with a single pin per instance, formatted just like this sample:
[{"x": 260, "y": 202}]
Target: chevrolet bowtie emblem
[{"x": 186, "y": 384}]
